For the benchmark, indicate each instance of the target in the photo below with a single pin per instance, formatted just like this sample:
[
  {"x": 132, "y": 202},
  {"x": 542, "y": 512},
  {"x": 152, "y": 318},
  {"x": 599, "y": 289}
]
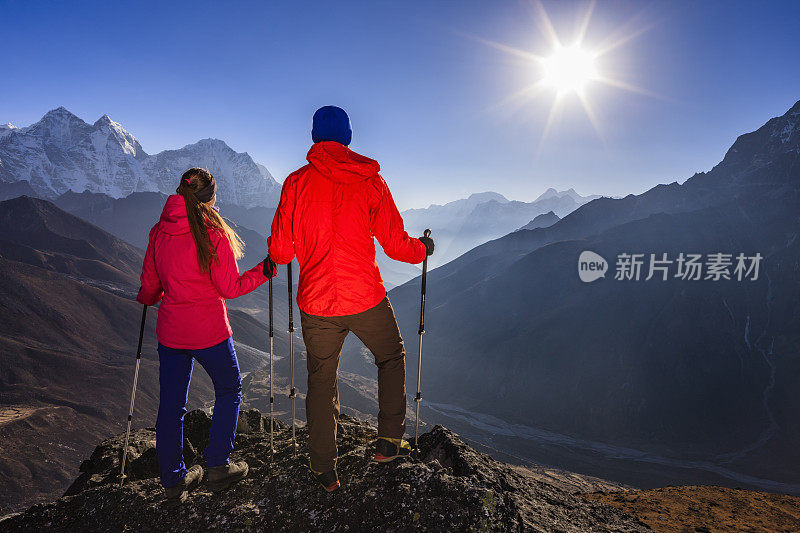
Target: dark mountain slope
[
  {"x": 683, "y": 374},
  {"x": 542, "y": 221},
  {"x": 38, "y": 233},
  {"x": 129, "y": 218},
  {"x": 68, "y": 353},
  {"x": 685, "y": 369},
  {"x": 14, "y": 189},
  {"x": 66, "y": 371}
]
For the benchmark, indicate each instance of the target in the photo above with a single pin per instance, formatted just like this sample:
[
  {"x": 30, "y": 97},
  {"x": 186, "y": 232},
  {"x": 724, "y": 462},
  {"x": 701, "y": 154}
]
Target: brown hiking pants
[{"x": 324, "y": 337}]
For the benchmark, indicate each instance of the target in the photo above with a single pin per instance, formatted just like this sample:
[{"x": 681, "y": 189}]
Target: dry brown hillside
[{"x": 707, "y": 509}]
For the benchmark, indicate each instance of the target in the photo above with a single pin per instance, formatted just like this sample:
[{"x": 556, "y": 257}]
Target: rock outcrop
[{"x": 447, "y": 486}]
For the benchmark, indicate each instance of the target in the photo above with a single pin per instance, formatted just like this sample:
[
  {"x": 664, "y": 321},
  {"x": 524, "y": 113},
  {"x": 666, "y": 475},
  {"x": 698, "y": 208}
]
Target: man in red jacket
[{"x": 329, "y": 212}]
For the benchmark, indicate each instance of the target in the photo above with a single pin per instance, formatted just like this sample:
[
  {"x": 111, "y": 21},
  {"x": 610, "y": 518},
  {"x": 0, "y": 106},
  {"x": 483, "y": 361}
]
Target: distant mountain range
[
  {"x": 130, "y": 218},
  {"x": 61, "y": 157},
  {"x": 461, "y": 225},
  {"x": 63, "y": 153},
  {"x": 653, "y": 380}
]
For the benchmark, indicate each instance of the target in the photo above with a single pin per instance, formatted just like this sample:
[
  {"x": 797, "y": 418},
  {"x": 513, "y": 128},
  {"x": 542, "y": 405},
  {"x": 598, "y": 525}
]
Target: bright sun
[{"x": 569, "y": 69}]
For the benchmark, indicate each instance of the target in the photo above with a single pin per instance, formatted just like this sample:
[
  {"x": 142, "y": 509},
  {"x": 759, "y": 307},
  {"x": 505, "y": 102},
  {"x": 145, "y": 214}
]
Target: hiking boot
[
  {"x": 390, "y": 449},
  {"x": 177, "y": 494},
  {"x": 222, "y": 477},
  {"x": 329, "y": 480}
]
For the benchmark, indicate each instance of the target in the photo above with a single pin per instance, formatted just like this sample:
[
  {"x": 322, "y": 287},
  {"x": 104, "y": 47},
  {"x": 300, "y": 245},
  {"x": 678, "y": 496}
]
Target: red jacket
[
  {"x": 328, "y": 214},
  {"x": 193, "y": 313}
]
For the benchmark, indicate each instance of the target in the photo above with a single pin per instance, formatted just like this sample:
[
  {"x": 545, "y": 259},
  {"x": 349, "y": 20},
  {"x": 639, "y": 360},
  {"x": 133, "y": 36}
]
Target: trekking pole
[
  {"x": 122, "y": 475},
  {"x": 271, "y": 351},
  {"x": 292, "y": 392},
  {"x": 421, "y": 332}
]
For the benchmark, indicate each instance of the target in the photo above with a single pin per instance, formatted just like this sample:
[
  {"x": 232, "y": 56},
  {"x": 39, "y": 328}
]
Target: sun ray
[
  {"x": 518, "y": 96},
  {"x": 529, "y": 56},
  {"x": 547, "y": 26},
  {"x": 619, "y": 84},
  {"x": 585, "y": 23},
  {"x": 621, "y": 41},
  {"x": 549, "y": 123},
  {"x": 587, "y": 107},
  {"x": 618, "y": 39}
]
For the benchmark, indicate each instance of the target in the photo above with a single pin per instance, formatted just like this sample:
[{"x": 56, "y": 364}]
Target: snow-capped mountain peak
[
  {"x": 5, "y": 129},
  {"x": 106, "y": 127},
  {"x": 241, "y": 183},
  {"x": 105, "y": 119},
  {"x": 59, "y": 112},
  {"x": 61, "y": 152}
]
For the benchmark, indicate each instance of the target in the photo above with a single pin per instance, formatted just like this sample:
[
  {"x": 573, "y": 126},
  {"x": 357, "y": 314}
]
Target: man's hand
[
  {"x": 270, "y": 269},
  {"x": 428, "y": 242}
]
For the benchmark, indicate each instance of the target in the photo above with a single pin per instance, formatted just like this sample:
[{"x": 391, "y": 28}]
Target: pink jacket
[{"x": 193, "y": 313}]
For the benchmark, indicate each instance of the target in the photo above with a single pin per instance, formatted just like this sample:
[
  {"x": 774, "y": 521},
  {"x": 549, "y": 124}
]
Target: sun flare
[{"x": 569, "y": 69}]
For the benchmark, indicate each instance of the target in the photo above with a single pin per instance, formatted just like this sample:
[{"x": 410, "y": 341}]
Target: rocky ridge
[{"x": 447, "y": 486}]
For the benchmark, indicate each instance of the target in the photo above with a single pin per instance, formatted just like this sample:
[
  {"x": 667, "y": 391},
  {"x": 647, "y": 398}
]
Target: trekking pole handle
[
  {"x": 141, "y": 332},
  {"x": 426, "y": 233},
  {"x": 270, "y": 308},
  {"x": 289, "y": 274},
  {"x": 138, "y": 357}
]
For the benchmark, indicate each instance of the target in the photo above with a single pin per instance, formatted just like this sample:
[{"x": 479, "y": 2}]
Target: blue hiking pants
[{"x": 175, "y": 373}]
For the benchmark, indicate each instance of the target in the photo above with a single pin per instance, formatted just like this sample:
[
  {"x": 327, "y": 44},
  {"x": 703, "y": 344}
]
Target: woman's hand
[{"x": 270, "y": 269}]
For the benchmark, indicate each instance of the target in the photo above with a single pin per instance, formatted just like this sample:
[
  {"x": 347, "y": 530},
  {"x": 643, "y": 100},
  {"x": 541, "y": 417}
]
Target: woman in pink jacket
[{"x": 190, "y": 266}]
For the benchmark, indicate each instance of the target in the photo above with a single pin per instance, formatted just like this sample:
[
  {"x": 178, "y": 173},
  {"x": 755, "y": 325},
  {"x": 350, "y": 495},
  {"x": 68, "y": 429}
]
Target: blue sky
[{"x": 424, "y": 93}]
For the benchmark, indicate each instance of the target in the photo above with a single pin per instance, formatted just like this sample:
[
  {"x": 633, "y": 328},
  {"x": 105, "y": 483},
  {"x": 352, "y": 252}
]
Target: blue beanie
[{"x": 331, "y": 123}]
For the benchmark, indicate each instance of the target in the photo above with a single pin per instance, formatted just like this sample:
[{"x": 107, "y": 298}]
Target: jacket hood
[
  {"x": 340, "y": 164},
  {"x": 174, "y": 220}
]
